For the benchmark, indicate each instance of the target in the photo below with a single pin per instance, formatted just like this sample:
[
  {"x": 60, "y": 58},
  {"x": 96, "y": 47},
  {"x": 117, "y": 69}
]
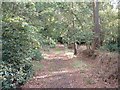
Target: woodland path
[{"x": 61, "y": 69}]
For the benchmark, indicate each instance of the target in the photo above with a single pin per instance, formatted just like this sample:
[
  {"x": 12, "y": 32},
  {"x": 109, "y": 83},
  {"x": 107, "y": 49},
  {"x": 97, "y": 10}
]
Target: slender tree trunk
[
  {"x": 75, "y": 48},
  {"x": 75, "y": 44},
  {"x": 96, "y": 30}
]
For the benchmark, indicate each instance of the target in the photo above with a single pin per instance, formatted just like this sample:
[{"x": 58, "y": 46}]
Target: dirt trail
[{"x": 61, "y": 69}]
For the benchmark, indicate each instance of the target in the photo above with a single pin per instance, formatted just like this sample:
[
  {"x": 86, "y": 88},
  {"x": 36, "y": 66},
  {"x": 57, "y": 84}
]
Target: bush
[
  {"x": 13, "y": 76},
  {"x": 37, "y": 55},
  {"x": 49, "y": 42},
  {"x": 110, "y": 45},
  {"x": 16, "y": 65}
]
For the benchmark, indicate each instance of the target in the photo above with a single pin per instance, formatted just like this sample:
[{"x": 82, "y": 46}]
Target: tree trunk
[
  {"x": 75, "y": 48},
  {"x": 96, "y": 30},
  {"x": 75, "y": 44}
]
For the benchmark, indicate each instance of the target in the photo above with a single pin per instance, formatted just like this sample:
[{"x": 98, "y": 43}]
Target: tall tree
[
  {"x": 73, "y": 23},
  {"x": 96, "y": 30}
]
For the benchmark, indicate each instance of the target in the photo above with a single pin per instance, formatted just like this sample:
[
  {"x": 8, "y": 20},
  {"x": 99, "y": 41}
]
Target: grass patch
[
  {"x": 37, "y": 65},
  {"x": 80, "y": 64},
  {"x": 58, "y": 51}
]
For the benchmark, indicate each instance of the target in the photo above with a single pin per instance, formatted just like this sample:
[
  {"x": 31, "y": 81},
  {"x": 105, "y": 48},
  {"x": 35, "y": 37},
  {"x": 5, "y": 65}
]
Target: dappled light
[
  {"x": 59, "y": 44},
  {"x": 60, "y": 68},
  {"x": 62, "y": 55},
  {"x": 55, "y": 73}
]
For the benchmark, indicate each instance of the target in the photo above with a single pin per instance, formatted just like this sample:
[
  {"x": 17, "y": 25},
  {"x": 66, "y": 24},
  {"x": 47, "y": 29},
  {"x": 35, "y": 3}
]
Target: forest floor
[{"x": 61, "y": 69}]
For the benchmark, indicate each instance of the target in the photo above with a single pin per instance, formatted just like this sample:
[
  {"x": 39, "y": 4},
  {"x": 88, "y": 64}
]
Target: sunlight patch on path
[
  {"x": 63, "y": 56},
  {"x": 55, "y": 73}
]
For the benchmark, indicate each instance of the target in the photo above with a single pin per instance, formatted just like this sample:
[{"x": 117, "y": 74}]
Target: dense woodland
[{"x": 30, "y": 28}]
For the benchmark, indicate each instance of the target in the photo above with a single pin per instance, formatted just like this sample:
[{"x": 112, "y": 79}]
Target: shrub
[
  {"x": 37, "y": 55},
  {"x": 16, "y": 65},
  {"x": 49, "y": 42},
  {"x": 111, "y": 46},
  {"x": 13, "y": 76}
]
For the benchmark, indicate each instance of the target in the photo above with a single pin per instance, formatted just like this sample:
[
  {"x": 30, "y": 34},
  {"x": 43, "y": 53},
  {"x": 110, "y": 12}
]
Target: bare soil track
[{"x": 61, "y": 69}]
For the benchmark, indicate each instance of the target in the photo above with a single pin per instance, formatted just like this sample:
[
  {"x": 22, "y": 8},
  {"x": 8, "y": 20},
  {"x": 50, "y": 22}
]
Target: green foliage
[
  {"x": 37, "y": 65},
  {"x": 37, "y": 55},
  {"x": 16, "y": 60},
  {"x": 85, "y": 36},
  {"x": 13, "y": 75},
  {"x": 109, "y": 25},
  {"x": 110, "y": 46},
  {"x": 28, "y": 27},
  {"x": 49, "y": 42}
]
